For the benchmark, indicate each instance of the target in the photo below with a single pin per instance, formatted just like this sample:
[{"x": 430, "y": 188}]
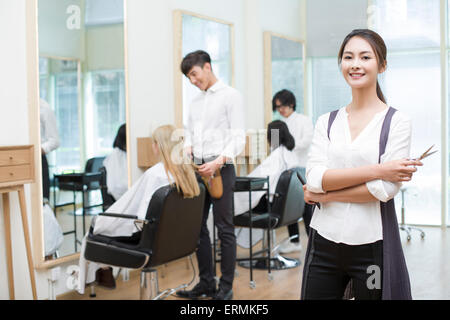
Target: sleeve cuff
[
  {"x": 382, "y": 190},
  {"x": 314, "y": 179}
]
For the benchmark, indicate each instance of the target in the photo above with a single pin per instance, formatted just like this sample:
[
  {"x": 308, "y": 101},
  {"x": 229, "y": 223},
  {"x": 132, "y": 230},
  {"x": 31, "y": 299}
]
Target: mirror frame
[
  {"x": 178, "y": 58},
  {"x": 268, "y": 113},
  {"x": 32, "y": 60}
]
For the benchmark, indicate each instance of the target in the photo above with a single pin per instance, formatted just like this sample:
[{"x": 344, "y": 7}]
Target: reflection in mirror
[
  {"x": 82, "y": 107},
  {"x": 285, "y": 64},
  {"x": 208, "y": 34}
]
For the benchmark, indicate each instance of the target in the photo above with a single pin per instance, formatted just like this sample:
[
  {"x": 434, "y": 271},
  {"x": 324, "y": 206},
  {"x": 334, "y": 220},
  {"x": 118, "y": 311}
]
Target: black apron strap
[
  {"x": 333, "y": 115},
  {"x": 385, "y": 132}
]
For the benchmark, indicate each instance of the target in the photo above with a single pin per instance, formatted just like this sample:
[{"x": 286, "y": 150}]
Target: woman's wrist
[
  {"x": 378, "y": 172},
  {"x": 327, "y": 196}
]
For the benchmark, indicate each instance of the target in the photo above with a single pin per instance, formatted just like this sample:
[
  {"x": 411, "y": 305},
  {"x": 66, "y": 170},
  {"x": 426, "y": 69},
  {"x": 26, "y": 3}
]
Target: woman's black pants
[{"x": 330, "y": 266}]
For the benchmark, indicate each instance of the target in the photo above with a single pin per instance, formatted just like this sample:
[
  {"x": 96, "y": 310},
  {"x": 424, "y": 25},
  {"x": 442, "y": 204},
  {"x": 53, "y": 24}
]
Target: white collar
[{"x": 216, "y": 86}]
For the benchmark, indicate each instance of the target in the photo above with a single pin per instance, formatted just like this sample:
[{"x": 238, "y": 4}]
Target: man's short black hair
[
  {"x": 285, "y": 97},
  {"x": 196, "y": 58}
]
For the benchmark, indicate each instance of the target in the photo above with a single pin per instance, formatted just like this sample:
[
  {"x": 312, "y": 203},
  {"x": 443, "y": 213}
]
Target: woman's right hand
[{"x": 399, "y": 170}]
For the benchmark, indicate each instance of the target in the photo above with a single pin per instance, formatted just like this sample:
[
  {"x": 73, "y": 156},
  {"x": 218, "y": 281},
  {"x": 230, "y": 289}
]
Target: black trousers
[
  {"x": 330, "y": 266},
  {"x": 45, "y": 178},
  {"x": 223, "y": 220}
]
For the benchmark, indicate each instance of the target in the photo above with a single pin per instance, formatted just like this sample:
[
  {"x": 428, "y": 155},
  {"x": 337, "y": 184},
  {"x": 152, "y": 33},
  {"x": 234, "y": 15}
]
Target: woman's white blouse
[{"x": 347, "y": 222}]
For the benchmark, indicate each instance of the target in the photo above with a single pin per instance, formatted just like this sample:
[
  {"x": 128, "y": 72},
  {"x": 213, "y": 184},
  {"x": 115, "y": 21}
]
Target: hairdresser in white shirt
[
  {"x": 301, "y": 128},
  {"x": 49, "y": 141},
  {"x": 215, "y": 135}
]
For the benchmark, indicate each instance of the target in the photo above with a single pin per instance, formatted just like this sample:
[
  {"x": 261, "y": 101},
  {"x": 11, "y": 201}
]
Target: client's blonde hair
[{"x": 181, "y": 169}]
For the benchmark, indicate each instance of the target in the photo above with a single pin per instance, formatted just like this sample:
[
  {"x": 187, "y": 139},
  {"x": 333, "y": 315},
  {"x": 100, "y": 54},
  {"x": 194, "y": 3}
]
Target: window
[
  {"x": 58, "y": 85},
  {"x": 43, "y": 78},
  {"x": 66, "y": 111},
  {"x": 411, "y": 84},
  {"x": 105, "y": 111},
  {"x": 329, "y": 89}
]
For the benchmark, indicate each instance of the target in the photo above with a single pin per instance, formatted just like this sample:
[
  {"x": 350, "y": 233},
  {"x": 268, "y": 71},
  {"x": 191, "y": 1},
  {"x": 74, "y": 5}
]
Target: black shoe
[
  {"x": 223, "y": 295},
  {"x": 201, "y": 290}
]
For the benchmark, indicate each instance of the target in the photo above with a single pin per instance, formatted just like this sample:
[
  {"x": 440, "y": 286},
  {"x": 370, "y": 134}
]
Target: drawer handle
[
  {"x": 10, "y": 158},
  {"x": 11, "y": 174}
]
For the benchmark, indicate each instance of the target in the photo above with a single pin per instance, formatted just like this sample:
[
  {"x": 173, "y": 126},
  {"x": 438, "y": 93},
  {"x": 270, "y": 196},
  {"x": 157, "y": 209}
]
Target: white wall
[
  {"x": 150, "y": 59},
  {"x": 14, "y": 131}
]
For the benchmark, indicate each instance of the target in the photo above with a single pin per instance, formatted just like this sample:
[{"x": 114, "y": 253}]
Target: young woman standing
[{"x": 357, "y": 162}]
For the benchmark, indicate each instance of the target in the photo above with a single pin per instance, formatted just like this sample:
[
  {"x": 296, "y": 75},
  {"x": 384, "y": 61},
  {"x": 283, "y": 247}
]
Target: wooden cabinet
[
  {"x": 16, "y": 165},
  {"x": 16, "y": 169}
]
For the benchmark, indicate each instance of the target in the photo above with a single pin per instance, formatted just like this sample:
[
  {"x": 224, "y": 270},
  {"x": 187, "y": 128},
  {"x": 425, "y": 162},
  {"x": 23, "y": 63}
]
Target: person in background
[
  {"x": 116, "y": 166},
  {"x": 281, "y": 158},
  {"x": 302, "y": 129},
  {"x": 49, "y": 142}
]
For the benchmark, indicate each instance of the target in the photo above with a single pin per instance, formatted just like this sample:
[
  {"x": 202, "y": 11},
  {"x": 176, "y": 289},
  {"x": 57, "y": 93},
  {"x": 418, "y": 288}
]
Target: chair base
[
  {"x": 278, "y": 262},
  {"x": 408, "y": 230}
]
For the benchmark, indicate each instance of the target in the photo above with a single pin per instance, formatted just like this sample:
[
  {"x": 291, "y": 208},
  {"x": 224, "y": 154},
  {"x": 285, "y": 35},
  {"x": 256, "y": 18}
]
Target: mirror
[
  {"x": 284, "y": 68},
  {"x": 196, "y": 32},
  {"x": 82, "y": 92}
]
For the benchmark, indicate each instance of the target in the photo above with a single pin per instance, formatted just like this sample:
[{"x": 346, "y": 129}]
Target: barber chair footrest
[{"x": 114, "y": 256}]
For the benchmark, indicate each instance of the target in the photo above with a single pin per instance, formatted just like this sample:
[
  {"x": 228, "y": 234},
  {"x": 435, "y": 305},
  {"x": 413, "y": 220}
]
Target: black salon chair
[
  {"x": 286, "y": 208},
  {"x": 94, "y": 165},
  {"x": 170, "y": 231},
  {"x": 84, "y": 182}
]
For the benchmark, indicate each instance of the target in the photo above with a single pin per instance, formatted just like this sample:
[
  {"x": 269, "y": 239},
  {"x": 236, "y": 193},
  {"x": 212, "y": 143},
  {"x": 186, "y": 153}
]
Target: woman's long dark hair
[
  {"x": 284, "y": 136},
  {"x": 121, "y": 138},
  {"x": 378, "y": 46}
]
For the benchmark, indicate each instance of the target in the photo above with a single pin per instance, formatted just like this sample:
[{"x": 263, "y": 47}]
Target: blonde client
[{"x": 136, "y": 200}]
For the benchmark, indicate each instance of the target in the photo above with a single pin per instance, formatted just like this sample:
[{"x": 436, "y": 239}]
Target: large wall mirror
[
  {"x": 196, "y": 32},
  {"x": 83, "y": 104},
  {"x": 284, "y": 68}
]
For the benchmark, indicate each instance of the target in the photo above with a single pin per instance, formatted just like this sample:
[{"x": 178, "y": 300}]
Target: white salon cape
[
  {"x": 53, "y": 235},
  {"x": 134, "y": 202},
  {"x": 116, "y": 166},
  {"x": 279, "y": 160},
  {"x": 302, "y": 130}
]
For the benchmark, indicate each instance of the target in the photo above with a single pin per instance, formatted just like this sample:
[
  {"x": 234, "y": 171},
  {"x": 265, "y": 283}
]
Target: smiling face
[
  {"x": 201, "y": 77},
  {"x": 359, "y": 65}
]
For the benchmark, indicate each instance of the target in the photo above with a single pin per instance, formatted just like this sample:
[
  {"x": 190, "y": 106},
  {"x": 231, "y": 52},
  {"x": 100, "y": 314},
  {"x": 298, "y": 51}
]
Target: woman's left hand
[{"x": 311, "y": 197}]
